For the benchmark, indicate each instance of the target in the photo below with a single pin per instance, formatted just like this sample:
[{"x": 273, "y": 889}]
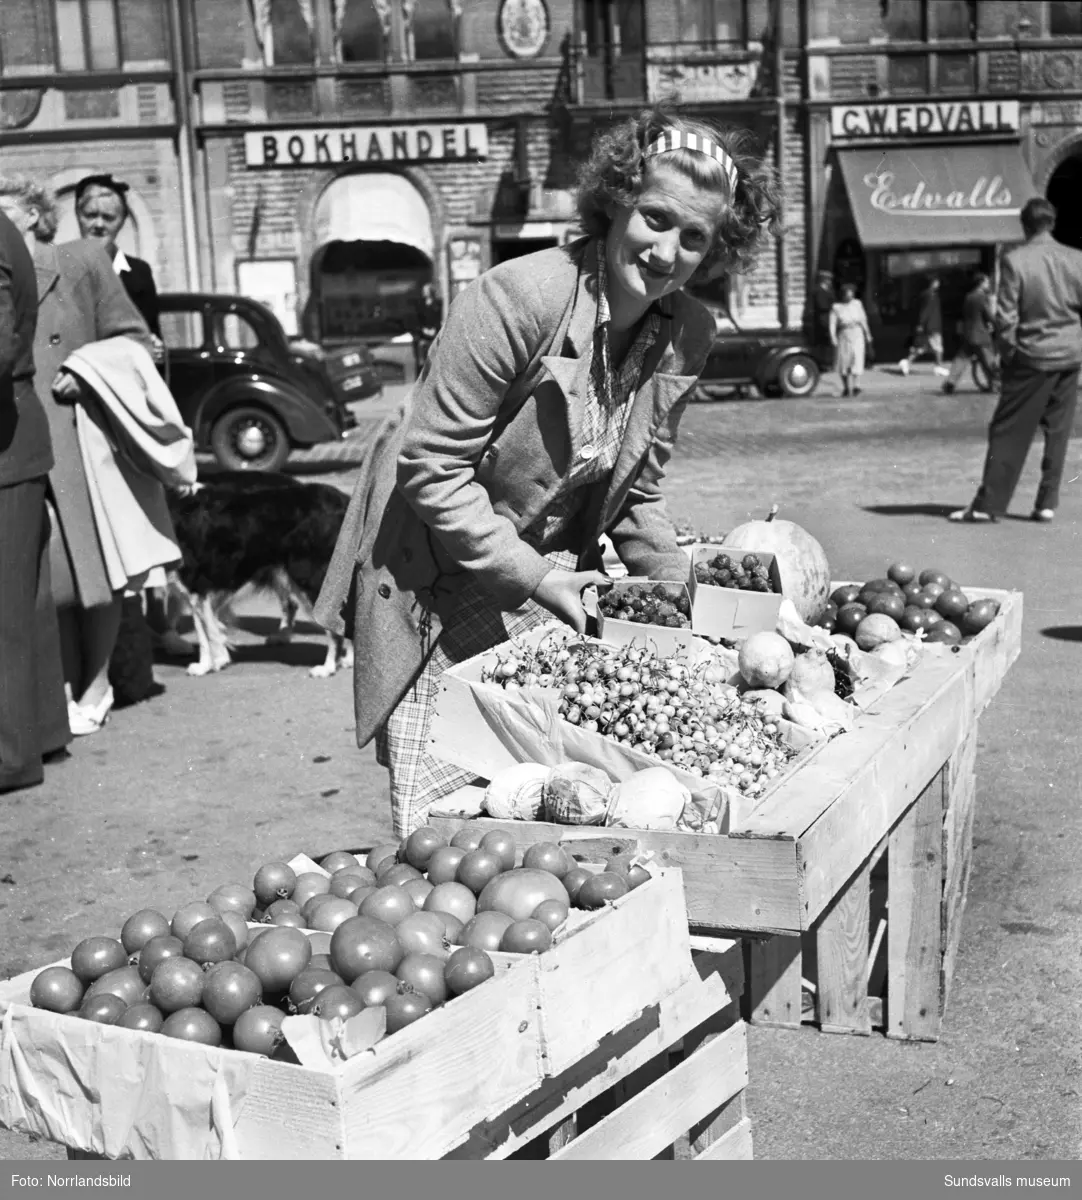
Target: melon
[{"x": 802, "y": 564}]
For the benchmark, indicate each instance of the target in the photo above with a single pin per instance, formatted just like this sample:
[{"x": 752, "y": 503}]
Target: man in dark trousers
[
  {"x": 1039, "y": 328},
  {"x": 822, "y": 302},
  {"x": 976, "y": 333},
  {"x": 33, "y": 708}
]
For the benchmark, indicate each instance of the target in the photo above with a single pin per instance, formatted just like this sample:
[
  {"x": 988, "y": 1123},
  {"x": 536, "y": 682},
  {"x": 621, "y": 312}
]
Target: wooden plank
[
  {"x": 955, "y": 867},
  {"x": 725, "y": 958},
  {"x": 953, "y": 938},
  {"x": 656, "y": 1117},
  {"x": 880, "y": 792},
  {"x": 914, "y": 944},
  {"x": 706, "y": 1132},
  {"x": 774, "y": 973},
  {"x": 732, "y": 1146},
  {"x": 842, "y": 954},
  {"x": 747, "y": 884},
  {"x": 560, "y": 1097}
]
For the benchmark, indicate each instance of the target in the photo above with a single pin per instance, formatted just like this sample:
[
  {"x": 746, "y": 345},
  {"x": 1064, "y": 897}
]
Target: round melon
[{"x": 802, "y": 564}]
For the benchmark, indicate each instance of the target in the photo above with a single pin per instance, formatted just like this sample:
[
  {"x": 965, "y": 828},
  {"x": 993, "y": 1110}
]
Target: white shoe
[
  {"x": 903, "y": 366},
  {"x": 942, "y": 370},
  {"x": 84, "y": 720}
]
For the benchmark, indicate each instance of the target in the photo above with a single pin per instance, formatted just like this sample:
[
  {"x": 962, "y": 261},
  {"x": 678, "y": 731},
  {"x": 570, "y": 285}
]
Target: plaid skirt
[{"x": 417, "y": 779}]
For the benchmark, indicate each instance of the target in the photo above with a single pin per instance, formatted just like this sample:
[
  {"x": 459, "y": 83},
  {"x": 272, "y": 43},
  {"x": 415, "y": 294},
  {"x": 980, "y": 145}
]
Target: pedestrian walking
[
  {"x": 928, "y": 330},
  {"x": 851, "y": 337},
  {"x": 1038, "y": 325},
  {"x": 823, "y": 300},
  {"x": 33, "y": 709},
  {"x": 429, "y": 319},
  {"x": 545, "y": 417},
  {"x": 976, "y": 343}
]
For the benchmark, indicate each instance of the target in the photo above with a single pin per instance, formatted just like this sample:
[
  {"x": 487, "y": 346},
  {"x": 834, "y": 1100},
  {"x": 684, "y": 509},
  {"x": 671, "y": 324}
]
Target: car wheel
[
  {"x": 250, "y": 439},
  {"x": 798, "y": 376}
]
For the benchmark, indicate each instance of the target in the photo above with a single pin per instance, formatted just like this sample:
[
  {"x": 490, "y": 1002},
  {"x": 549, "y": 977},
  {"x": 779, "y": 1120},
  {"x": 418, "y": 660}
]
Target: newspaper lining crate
[
  {"x": 106, "y": 1091},
  {"x": 898, "y": 791}
]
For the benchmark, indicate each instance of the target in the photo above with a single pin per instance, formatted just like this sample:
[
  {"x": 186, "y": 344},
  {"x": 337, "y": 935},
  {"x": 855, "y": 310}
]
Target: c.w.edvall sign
[
  {"x": 931, "y": 119},
  {"x": 369, "y": 144}
]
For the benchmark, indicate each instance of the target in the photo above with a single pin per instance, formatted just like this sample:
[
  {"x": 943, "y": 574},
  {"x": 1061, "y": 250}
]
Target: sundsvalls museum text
[
  {"x": 66, "y": 1181},
  {"x": 1006, "y": 1181}
]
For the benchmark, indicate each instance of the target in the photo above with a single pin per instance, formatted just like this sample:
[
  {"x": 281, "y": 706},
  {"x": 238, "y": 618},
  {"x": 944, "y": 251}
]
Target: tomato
[
  {"x": 452, "y": 928},
  {"x": 453, "y": 898},
  {"x": 502, "y": 844},
  {"x": 188, "y": 916},
  {"x": 103, "y": 1009},
  {"x": 336, "y": 1001},
  {"x": 373, "y": 987},
  {"x": 485, "y": 931},
  {"x": 157, "y": 950},
  {"x": 468, "y": 838},
  {"x": 233, "y": 897},
  {"x": 477, "y": 868},
  {"x": 574, "y": 880},
  {"x": 349, "y": 880},
  {"x": 419, "y": 847},
  {"x": 932, "y": 575},
  {"x": 279, "y": 906},
  {"x": 290, "y": 920},
  {"x": 526, "y": 937},
  {"x": 238, "y": 927},
  {"x": 362, "y": 944},
  {"x": 443, "y": 864},
  {"x": 278, "y": 957},
  {"x": 230, "y": 990},
  {"x": 94, "y": 957},
  {"x": 339, "y": 860},
  {"x": 551, "y": 913},
  {"x": 330, "y": 915},
  {"x": 637, "y": 876},
  {"x": 979, "y": 615},
  {"x": 144, "y": 1017},
  {"x": 193, "y": 1025},
  {"x": 388, "y": 904},
  {"x": 124, "y": 982},
  {"x": 846, "y": 594},
  {"x": 312, "y": 906},
  {"x": 466, "y": 968},
  {"x": 519, "y": 892},
  {"x": 600, "y": 889},
  {"x": 307, "y": 986},
  {"x": 403, "y": 1008},
  {"x": 424, "y": 974},
  {"x": 396, "y": 874},
  {"x": 379, "y": 854},
  {"x": 140, "y": 927},
  {"x": 419, "y": 890},
  {"x": 548, "y": 856},
  {"x": 258, "y": 1030},
  {"x": 210, "y": 942},
  {"x": 310, "y": 884},
  {"x": 56, "y": 989},
  {"x": 323, "y": 961},
  {"x": 176, "y": 983},
  {"x": 359, "y": 894},
  {"x": 273, "y": 881},
  {"x": 421, "y": 933},
  {"x": 946, "y": 632}
]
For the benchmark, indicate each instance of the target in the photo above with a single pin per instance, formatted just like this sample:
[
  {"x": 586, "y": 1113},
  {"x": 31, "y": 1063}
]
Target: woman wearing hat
[{"x": 544, "y": 418}]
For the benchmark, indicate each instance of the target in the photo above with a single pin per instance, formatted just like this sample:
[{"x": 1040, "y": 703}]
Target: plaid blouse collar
[{"x": 661, "y": 307}]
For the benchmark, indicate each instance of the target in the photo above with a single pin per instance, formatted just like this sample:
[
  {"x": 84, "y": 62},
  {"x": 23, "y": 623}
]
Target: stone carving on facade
[
  {"x": 1044, "y": 70},
  {"x": 696, "y": 82},
  {"x": 19, "y": 107}
]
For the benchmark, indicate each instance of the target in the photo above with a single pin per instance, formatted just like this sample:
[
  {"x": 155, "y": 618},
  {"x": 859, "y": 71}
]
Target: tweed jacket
[
  {"x": 25, "y": 450},
  {"x": 1039, "y": 305},
  {"x": 80, "y": 300},
  {"x": 480, "y": 453}
]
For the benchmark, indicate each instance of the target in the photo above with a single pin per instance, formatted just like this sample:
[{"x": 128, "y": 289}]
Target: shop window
[
  {"x": 234, "y": 332},
  {"x": 1065, "y": 18},
  {"x": 713, "y": 22},
  {"x": 432, "y": 30},
  {"x": 143, "y": 35},
  {"x": 87, "y": 35},
  {"x": 953, "y": 20},
  {"x": 361, "y": 30}
]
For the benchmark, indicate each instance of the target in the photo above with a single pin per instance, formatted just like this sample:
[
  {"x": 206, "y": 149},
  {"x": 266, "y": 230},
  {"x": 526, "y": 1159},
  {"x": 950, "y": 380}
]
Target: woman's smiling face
[{"x": 656, "y": 243}]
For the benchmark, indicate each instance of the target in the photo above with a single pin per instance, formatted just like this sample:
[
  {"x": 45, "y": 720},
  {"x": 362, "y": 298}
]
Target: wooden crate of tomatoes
[{"x": 420, "y": 1001}]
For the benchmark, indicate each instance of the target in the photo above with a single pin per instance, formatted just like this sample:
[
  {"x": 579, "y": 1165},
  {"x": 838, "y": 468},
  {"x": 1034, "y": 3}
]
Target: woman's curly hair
[
  {"x": 615, "y": 171},
  {"x": 32, "y": 194}
]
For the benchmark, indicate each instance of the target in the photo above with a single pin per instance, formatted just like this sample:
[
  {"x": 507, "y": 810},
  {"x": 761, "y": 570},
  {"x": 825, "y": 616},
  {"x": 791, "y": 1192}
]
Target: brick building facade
[{"x": 265, "y": 138}]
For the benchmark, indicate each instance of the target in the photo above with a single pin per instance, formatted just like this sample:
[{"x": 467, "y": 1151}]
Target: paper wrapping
[{"x": 117, "y": 1092}]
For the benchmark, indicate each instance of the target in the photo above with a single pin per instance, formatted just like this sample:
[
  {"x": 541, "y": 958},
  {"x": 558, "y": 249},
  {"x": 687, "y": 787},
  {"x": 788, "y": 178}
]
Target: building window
[
  {"x": 431, "y": 29},
  {"x": 283, "y": 30},
  {"x": 953, "y": 20},
  {"x": 362, "y": 29},
  {"x": 1065, "y": 18},
  {"x": 87, "y": 38},
  {"x": 26, "y": 38},
  {"x": 903, "y": 20},
  {"x": 713, "y": 22}
]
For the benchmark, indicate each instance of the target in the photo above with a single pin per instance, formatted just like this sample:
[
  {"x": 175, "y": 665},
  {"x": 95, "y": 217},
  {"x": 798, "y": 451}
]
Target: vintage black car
[
  {"x": 777, "y": 362},
  {"x": 249, "y": 394}
]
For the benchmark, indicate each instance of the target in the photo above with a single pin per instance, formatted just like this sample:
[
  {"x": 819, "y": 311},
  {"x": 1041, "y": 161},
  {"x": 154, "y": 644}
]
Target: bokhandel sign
[
  {"x": 370, "y": 144},
  {"x": 866, "y": 122}
]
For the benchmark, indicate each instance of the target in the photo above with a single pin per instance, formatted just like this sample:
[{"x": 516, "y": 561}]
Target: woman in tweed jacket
[{"x": 544, "y": 418}]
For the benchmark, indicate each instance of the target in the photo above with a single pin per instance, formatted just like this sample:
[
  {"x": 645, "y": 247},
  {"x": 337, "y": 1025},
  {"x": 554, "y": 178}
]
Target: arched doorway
[
  {"x": 1064, "y": 191},
  {"x": 375, "y": 251}
]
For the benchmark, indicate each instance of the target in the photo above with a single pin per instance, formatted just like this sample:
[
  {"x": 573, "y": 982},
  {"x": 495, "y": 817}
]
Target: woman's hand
[
  {"x": 66, "y": 387},
  {"x": 561, "y": 593}
]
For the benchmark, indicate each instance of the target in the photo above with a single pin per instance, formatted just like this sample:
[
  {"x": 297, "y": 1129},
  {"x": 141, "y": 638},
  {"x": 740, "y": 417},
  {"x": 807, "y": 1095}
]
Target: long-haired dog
[{"x": 241, "y": 532}]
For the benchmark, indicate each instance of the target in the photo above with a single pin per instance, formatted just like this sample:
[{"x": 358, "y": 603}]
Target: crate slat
[
  {"x": 774, "y": 974},
  {"x": 732, "y": 1146},
  {"x": 842, "y": 953},
  {"x": 657, "y": 1116}
]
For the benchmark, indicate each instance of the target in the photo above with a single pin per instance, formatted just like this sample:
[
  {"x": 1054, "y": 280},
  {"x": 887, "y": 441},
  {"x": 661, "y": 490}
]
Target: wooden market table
[{"x": 855, "y": 867}]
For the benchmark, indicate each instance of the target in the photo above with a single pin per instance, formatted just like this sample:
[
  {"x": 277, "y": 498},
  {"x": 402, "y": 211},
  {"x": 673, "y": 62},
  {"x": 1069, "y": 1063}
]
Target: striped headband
[{"x": 674, "y": 139}]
